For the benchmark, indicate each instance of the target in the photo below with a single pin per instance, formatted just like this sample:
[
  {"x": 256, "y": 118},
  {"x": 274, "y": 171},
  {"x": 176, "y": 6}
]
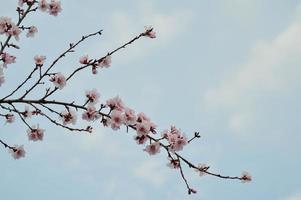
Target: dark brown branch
[
  {"x": 97, "y": 61},
  {"x": 70, "y": 49},
  {"x": 14, "y": 91},
  {"x": 21, "y": 18},
  {"x": 7, "y": 146}
]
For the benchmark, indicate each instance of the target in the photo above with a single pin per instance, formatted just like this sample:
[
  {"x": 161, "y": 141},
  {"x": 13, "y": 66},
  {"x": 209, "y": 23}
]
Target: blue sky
[{"x": 227, "y": 68}]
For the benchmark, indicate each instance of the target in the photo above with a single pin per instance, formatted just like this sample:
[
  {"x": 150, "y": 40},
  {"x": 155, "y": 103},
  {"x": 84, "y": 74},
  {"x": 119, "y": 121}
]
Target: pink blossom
[
  {"x": 93, "y": 96},
  {"x": 31, "y": 31},
  {"x": 5, "y": 23},
  {"x": 115, "y": 103},
  {"x": 202, "y": 168},
  {"x": 153, "y": 148},
  {"x": 141, "y": 117},
  {"x": 140, "y": 139},
  {"x": 59, "y": 80},
  {"x": 39, "y": 60},
  {"x": 7, "y": 59},
  {"x": 117, "y": 119},
  {"x": 91, "y": 114},
  {"x": 14, "y": 31},
  {"x": 84, "y": 59},
  {"x": 54, "y": 7},
  {"x": 21, "y": 2},
  {"x": 27, "y": 113},
  {"x": 35, "y": 133},
  {"x": 246, "y": 177},
  {"x": 176, "y": 139},
  {"x": 129, "y": 116},
  {"x": 18, "y": 152},
  {"x": 149, "y": 32},
  {"x": 10, "y": 118},
  {"x": 43, "y": 5},
  {"x": 106, "y": 62},
  {"x": 142, "y": 128},
  {"x": 68, "y": 117},
  {"x": 173, "y": 163}
]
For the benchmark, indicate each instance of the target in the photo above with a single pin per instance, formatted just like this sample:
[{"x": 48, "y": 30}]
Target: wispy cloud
[
  {"x": 296, "y": 196},
  {"x": 273, "y": 66},
  {"x": 151, "y": 171},
  {"x": 123, "y": 25}
]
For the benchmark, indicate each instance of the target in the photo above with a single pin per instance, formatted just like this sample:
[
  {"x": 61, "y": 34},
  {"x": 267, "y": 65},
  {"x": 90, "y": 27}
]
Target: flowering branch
[
  {"x": 112, "y": 113},
  {"x": 22, "y": 16}
]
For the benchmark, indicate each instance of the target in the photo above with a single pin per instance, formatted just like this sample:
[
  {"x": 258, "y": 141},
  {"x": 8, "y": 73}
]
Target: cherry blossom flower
[
  {"x": 117, "y": 119},
  {"x": 31, "y": 31},
  {"x": 39, "y": 60},
  {"x": 202, "y": 168},
  {"x": 246, "y": 177},
  {"x": 115, "y": 103},
  {"x": 59, "y": 80},
  {"x": 91, "y": 114},
  {"x": 153, "y": 148},
  {"x": 54, "y": 7},
  {"x": 7, "y": 59},
  {"x": 18, "y": 152},
  {"x": 129, "y": 116},
  {"x": 173, "y": 163},
  {"x": 149, "y": 32},
  {"x": 140, "y": 139},
  {"x": 29, "y": 2},
  {"x": 14, "y": 31},
  {"x": 27, "y": 113},
  {"x": 21, "y": 2},
  {"x": 69, "y": 117},
  {"x": 43, "y": 5},
  {"x": 93, "y": 96},
  {"x": 176, "y": 139},
  {"x": 106, "y": 62},
  {"x": 35, "y": 133},
  {"x": 10, "y": 118},
  {"x": 142, "y": 128},
  {"x": 5, "y": 23},
  {"x": 141, "y": 117},
  {"x": 84, "y": 59}
]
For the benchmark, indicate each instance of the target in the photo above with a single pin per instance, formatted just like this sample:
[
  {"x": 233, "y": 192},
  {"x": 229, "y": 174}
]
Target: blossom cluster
[
  {"x": 12, "y": 29},
  {"x": 9, "y": 28},
  {"x": 104, "y": 62},
  {"x": 111, "y": 113},
  {"x": 53, "y": 8}
]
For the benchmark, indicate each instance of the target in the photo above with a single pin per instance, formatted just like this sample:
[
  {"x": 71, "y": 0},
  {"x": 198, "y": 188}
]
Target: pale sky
[{"x": 227, "y": 68}]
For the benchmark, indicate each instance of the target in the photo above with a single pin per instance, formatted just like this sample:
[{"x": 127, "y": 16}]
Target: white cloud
[
  {"x": 296, "y": 196},
  {"x": 151, "y": 171},
  {"x": 124, "y": 25},
  {"x": 273, "y": 66}
]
